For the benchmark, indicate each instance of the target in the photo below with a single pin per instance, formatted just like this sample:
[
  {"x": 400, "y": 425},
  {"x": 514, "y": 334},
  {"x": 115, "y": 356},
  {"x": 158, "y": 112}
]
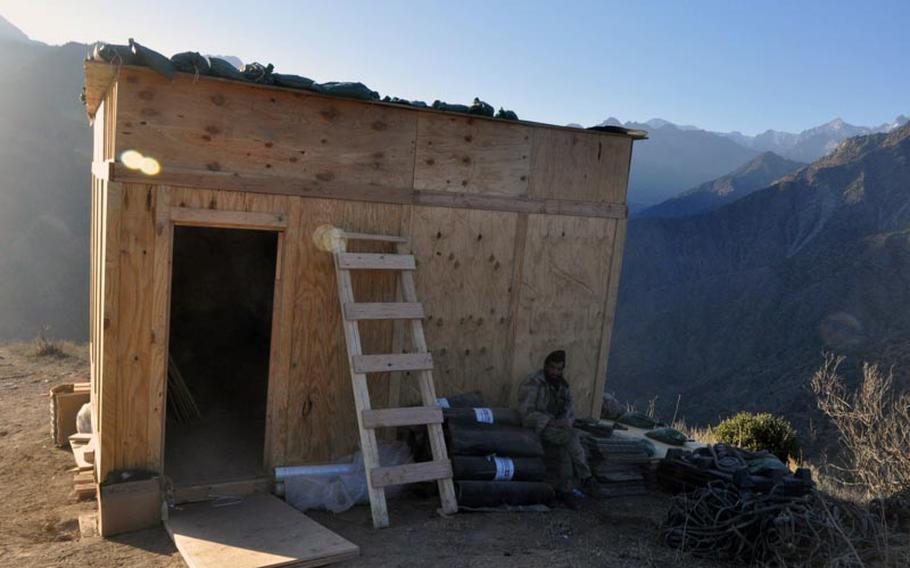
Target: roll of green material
[
  {"x": 497, "y": 493},
  {"x": 494, "y": 468},
  {"x": 486, "y": 439},
  {"x": 505, "y": 416}
]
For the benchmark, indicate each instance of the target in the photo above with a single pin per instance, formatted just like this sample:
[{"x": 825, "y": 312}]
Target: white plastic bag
[
  {"x": 340, "y": 492},
  {"x": 84, "y": 419}
]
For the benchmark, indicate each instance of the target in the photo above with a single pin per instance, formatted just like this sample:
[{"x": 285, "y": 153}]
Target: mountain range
[
  {"x": 755, "y": 174},
  {"x": 678, "y": 157},
  {"x": 732, "y": 309}
]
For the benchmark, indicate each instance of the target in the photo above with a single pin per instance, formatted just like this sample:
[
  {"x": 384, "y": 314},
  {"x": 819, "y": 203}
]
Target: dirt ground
[{"x": 39, "y": 526}]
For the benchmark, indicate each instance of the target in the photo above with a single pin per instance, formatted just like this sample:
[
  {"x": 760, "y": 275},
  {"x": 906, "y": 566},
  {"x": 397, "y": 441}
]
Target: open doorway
[{"x": 222, "y": 292}]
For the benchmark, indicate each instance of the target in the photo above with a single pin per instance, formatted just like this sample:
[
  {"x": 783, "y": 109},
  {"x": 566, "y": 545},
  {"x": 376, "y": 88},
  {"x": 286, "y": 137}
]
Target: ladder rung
[
  {"x": 410, "y": 473},
  {"x": 368, "y": 237},
  {"x": 393, "y": 362},
  {"x": 408, "y": 416},
  {"x": 375, "y": 261},
  {"x": 383, "y": 311}
]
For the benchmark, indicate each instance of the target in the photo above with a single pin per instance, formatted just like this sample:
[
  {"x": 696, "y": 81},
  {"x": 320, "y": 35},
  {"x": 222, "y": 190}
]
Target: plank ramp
[{"x": 260, "y": 532}]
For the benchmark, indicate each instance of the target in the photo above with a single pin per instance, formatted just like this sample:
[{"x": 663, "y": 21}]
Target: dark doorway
[{"x": 220, "y": 332}]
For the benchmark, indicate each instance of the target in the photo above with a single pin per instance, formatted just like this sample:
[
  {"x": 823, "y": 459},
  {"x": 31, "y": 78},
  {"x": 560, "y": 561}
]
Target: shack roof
[{"x": 101, "y": 75}]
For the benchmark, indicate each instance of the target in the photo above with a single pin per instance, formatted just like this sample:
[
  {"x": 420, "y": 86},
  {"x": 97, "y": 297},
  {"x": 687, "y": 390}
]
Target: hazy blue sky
[{"x": 722, "y": 65}]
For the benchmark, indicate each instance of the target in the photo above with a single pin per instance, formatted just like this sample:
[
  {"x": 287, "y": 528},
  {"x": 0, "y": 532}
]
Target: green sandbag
[
  {"x": 506, "y": 114},
  {"x": 258, "y": 73},
  {"x": 191, "y": 62},
  {"x": 292, "y": 81},
  {"x": 113, "y": 53},
  {"x": 668, "y": 436},
  {"x": 638, "y": 420},
  {"x": 349, "y": 90},
  {"x": 224, "y": 69},
  {"x": 153, "y": 60},
  {"x": 441, "y": 105},
  {"x": 397, "y": 101},
  {"x": 481, "y": 108}
]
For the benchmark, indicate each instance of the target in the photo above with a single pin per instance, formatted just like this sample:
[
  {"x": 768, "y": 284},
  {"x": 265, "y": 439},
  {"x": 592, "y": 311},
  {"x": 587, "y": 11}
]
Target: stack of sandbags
[
  {"x": 618, "y": 465},
  {"x": 495, "y": 461}
]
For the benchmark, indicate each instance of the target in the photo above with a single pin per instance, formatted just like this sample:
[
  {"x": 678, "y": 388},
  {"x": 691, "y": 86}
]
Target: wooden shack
[{"x": 202, "y": 259}]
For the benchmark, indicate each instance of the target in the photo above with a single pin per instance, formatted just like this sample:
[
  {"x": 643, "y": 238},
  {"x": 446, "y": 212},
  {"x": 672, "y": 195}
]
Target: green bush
[{"x": 758, "y": 432}]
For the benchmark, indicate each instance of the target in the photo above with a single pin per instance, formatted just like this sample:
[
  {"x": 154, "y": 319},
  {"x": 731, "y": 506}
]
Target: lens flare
[
  {"x": 150, "y": 166},
  {"x": 132, "y": 159}
]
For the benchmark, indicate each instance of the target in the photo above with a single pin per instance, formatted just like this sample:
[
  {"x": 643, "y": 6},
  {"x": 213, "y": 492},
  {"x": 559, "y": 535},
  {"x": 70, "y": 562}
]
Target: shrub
[
  {"x": 758, "y": 432},
  {"x": 874, "y": 425},
  {"x": 44, "y": 347}
]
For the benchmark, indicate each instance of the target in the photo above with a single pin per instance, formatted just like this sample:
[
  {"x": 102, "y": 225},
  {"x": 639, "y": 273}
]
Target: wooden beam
[
  {"x": 375, "y": 261},
  {"x": 228, "y": 219},
  {"x": 392, "y": 362},
  {"x": 383, "y": 311},
  {"x": 232, "y": 181},
  {"x": 368, "y": 237},
  {"x": 409, "y": 416},
  {"x": 410, "y": 473}
]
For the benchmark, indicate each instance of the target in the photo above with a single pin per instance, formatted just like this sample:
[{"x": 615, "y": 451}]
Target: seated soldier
[{"x": 546, "y": 406}]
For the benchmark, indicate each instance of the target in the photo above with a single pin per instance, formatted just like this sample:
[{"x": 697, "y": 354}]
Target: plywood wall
[{"x": 501, "y": 287}]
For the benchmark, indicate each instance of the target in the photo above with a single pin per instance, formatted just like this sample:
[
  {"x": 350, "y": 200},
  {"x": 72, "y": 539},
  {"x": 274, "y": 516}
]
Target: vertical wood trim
[
  {"x": 609, "y": 311},
  {"x": 521, "y": 238},
  {"x": 161, "y": 311},
  {"x": 283, "y": 314},
  {"x": 106, "y": 455}
]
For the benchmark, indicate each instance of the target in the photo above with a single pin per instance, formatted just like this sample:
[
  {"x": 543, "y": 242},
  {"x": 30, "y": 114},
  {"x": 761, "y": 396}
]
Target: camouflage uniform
[{"x": 539, "y": 403}]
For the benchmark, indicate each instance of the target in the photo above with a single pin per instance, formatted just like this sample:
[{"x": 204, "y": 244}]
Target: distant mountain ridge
[
  {"x": 732, "y": 309},
  {"x": 756, "y": 174}
]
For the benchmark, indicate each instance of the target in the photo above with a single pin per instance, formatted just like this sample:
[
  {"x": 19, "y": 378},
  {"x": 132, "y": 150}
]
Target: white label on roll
[
  {"x": 484, "y": 415},
  {"x": 505, "y": 469},
  {"x": 442, "y": 402}
]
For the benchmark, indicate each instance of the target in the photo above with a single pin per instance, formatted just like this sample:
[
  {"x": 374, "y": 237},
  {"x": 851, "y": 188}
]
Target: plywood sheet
[
  {"x": 223, "y": 126},
  {"x": 469, "y": 155},
  {"x": 561, "y": 301},
  {"x": 464, "y": 279},
  {"x": 580, "y": 165},
  {"x": 321, "y": 421},
  {"x": 260, "y": 531}
]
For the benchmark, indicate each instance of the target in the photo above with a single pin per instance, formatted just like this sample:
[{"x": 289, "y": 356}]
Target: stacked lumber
[
  {"x": 65, "y": 402},
  {"x": 618, "y": 465},
  {"x": 83, "y": 448}
]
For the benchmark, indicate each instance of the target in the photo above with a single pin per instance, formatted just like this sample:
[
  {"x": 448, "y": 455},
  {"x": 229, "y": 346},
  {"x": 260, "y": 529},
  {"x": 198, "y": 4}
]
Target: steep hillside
[
  {"x": 45, "y": 152},
  {"x": 732, "y": 309},
  {"x": 757, "y": 174},
  {"x": 673, "y": 158}
]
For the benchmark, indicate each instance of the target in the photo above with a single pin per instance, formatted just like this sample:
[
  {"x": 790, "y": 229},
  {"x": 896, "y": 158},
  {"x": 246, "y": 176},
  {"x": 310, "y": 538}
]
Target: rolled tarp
[
  {"x": 495, "y": 415},
  {"x": 495, "y": 468},
  {"x": 477, "y": 494},
  {"x": 468, "y": 439}
]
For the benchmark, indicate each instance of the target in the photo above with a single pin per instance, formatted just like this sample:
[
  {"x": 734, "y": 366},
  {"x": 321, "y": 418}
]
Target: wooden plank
[
  {"x": 209, "y": 491},
  {"x": 392, "y": 362},
  {"x": 361, "y": 398},
  {"x": 463, "y": 154},
  {"x": 223, "y": 126},
  {"x": 161, "y": 311},
  {"x": 374, "y": 193},
  {"x": 383, "y": 311},
  {"x": 375, "y": 261},
  {"x": 428, "y": 394},
  {"x": 466, "y": 260},
  {"x": 368, "y": 237},
  {"x": 411, "y": 473},
  {"x": 561, "y": 301},
  {"x": 408, "y": 416},
  {"x": 111, "y": 209},
  {"x": 609, "y": 311},
  {"x": 98, "y": 80},
  {"x": 227, "y": 219},
  {"x": 576, "y": 166},
  {"x": 261, "y": 531}
]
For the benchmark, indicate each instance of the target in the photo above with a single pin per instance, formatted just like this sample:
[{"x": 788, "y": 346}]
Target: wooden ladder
[{"x": 420, "y": 361}]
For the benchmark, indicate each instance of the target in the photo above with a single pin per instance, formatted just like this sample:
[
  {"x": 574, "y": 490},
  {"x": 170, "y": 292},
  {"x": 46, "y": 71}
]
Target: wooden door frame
[{"x": 166, "y": 218}]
